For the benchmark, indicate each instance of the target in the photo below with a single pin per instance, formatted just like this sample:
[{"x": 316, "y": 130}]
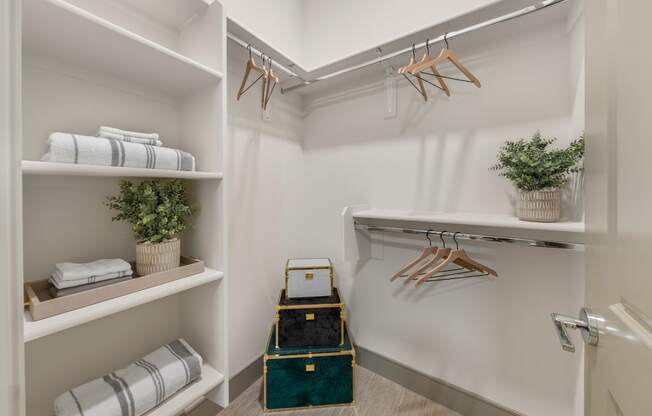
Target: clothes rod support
[
  {"x": 474, "y": 237},
  {"x": 451, "y": 35}
]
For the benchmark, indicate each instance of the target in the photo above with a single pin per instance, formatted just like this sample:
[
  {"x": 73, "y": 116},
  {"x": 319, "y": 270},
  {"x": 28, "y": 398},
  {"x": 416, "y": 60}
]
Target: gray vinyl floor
[{"x": 376, "y": 396}]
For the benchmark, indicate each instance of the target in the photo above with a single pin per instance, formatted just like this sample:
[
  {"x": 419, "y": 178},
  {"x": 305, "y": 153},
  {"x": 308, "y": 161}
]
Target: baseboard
[
  {"x": 245, "y": 378},
  {"x": 453, "y": 397}
]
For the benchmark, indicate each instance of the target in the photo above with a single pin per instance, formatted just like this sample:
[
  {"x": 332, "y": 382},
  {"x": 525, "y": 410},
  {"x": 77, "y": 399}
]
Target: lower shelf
[
  {"x": 176, "y": 404},
  {"x": 36, "y": 329}
]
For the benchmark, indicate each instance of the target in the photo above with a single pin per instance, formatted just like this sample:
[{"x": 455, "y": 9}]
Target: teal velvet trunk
[{"x": 299, "y": 378}]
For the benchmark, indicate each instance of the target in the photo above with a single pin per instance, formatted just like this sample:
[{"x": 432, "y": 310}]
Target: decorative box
[
  {"x": 310, "y": 322},
  {"x": 295, "y": 378},
  {"x": 306, "y": 278}
]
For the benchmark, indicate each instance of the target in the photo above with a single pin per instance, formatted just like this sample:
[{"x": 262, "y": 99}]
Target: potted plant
[
  {"x": 158, "y": 211},
  {"x": 538, "y": 172}
]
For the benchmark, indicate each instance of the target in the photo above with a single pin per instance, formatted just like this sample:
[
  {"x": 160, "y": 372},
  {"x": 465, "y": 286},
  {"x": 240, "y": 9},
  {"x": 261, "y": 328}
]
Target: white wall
[
  {"x": 278, "y": 22},
  {"x": 264, "y": 169},
  {"x": 492, "y": 338},
  {"x": 335, "y": 29}
]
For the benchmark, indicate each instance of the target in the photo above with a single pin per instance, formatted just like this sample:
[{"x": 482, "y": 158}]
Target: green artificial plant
[
  {"x": 531, "y": 165},
  {"x": 158, "y": 210}
]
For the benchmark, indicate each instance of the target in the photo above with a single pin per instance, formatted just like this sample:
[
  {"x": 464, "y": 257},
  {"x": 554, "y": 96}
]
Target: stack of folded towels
[
  {"x": 69, "y": 278},
  {"x": 136, "y": 389},
  {"x": 115, "y": 147}
]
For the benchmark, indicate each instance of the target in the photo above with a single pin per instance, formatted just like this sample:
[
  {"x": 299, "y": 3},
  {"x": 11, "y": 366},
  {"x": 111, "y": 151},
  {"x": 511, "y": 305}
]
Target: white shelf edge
[
  {"x": 34, "y": 167},
  {"x": 176, "y": 404},
  {"x": 37, "y": 329},
  {"x": 135, "y": 37},
  {"x": 570, "y": 231},
  {"x": 485, "y": 220}
]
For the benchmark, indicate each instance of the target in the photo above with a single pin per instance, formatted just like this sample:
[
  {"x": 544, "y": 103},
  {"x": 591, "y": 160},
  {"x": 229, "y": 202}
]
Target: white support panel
[
  {"x": 68, "y": 33},
  {"x": 180, "y": 402},
  {"x": 48, "y": 326},
  {"x": 32, "y": 167}
]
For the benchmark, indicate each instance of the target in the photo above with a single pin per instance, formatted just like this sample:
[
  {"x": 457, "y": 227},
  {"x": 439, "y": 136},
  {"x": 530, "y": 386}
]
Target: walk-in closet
[{"x": 312, "y": 207}]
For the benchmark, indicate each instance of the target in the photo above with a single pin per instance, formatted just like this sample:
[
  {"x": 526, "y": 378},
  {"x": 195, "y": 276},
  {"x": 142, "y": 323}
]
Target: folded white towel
[
  {"x": 56, "y": 280},
  {"x": 88, "y": 150},
  {"x": 136, "y": 389},
  {"x": 129, "y": 136},
  {"x": 138, "y": 134},
  {"x": 77, "y": 271}
]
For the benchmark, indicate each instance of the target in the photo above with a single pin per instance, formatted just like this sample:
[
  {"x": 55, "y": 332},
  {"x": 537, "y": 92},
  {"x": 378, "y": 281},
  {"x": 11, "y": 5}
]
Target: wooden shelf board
[
  {"x": 31, "y": 167},
  {"x": 36, "y": 329},
  {"x": 176, "y": 404},
  {"x": 72, "y": 35}
]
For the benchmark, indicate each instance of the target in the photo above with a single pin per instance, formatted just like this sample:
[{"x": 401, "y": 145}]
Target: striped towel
[
  {"x": 136, "y": 389},
  {"x": 129, "y": 136},
  {"x": 64, "y": 284},
  {"x": 88, "y": 150},
  {"x": 76, "y": 271}
]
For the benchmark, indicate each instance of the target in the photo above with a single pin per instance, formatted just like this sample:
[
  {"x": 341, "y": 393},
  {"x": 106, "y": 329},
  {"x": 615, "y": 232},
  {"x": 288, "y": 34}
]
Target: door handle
[{"x": 589, "y": 324}]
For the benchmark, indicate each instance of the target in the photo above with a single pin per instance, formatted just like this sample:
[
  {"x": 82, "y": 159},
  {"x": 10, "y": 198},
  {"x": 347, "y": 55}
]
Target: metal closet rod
[
  {"x": 244, "y": 45},
  {"x": 450, "y": 35},
  {"x": 476, "y": 237}
]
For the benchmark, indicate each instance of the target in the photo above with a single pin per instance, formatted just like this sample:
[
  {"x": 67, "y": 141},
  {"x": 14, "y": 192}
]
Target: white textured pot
[
  {"x": 539, "y": 206},
  {"x": 157, "y": 257}
]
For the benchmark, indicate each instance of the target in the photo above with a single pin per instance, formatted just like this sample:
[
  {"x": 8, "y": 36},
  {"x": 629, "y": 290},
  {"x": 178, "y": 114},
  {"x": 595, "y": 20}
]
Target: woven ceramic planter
[
  {"x": 157, "y": 257},
  {"x": 540, "y": 206}
]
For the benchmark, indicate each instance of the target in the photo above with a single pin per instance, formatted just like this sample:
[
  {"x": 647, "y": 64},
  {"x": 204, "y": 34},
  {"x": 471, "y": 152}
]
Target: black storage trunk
[{"x": 310, "y": 322}]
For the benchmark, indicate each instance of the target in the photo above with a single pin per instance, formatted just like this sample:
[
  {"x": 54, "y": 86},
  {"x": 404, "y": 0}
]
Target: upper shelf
[
  {"x": 506, "y": 226},
  {"x": 70, "y": 34},
  {"x": 34, "y": 167}
]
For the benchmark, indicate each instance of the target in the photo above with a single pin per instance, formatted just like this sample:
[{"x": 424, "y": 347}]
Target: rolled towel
[
  {"x": 65, "y": 284},
  {"x": 56, "y": 292},
  {"x": 136, "y": 389},
  {"x": 88, "y": 150},
  {"x": 129, "y": 136},
  {"x": 77, "y": 271}
]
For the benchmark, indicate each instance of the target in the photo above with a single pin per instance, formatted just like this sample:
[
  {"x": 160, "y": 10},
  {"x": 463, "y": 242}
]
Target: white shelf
[
  {"x": 572, "y": 232},
  {"x": 176, "y": 404},
  {"x": 32, "y": 167},
  {"x": 48, "y": 326},
  {"x": 72, "y": 35}
]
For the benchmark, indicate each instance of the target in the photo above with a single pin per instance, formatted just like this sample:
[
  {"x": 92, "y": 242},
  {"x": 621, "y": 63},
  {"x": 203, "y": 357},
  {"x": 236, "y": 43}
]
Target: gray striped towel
[
  {"x": 65, "y": 284},
  {"x": 136, "y": 389},
  {"x": 129, "y": 136},
  {"x": 88, "y": 150}
]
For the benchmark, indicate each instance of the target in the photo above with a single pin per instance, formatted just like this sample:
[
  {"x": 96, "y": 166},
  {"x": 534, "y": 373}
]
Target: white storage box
[{"x": 307, "y": 278}]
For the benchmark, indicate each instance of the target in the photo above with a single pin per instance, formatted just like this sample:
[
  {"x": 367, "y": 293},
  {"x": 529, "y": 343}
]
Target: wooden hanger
[
  {"x": 404, "y": 71},
  {"x": 251, "y": 66},
  {"x": 446, "y": 54},
  {"x": 459, "y": 257},
  {"x": 425, "y": 253},
  {"x": 425, "y": 58},
  {"x": 269, "y": 77}
]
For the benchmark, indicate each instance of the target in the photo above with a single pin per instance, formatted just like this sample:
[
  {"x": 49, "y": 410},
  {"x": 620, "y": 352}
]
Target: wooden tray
[{"x": 43, "y": 305}]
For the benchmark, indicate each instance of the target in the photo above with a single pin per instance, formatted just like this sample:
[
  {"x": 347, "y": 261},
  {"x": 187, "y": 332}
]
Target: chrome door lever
[{"x": 588, "y": 323}]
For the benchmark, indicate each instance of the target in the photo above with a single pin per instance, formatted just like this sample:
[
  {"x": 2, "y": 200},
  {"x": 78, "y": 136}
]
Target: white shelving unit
[
  {"x": 33, "y": 167},
  {"x": 142, "y": 66},
  {"x": 37, "y": 329}
]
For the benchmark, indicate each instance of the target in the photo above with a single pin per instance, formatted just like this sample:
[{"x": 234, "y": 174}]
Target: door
[{"x": 618, "y": 194}]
